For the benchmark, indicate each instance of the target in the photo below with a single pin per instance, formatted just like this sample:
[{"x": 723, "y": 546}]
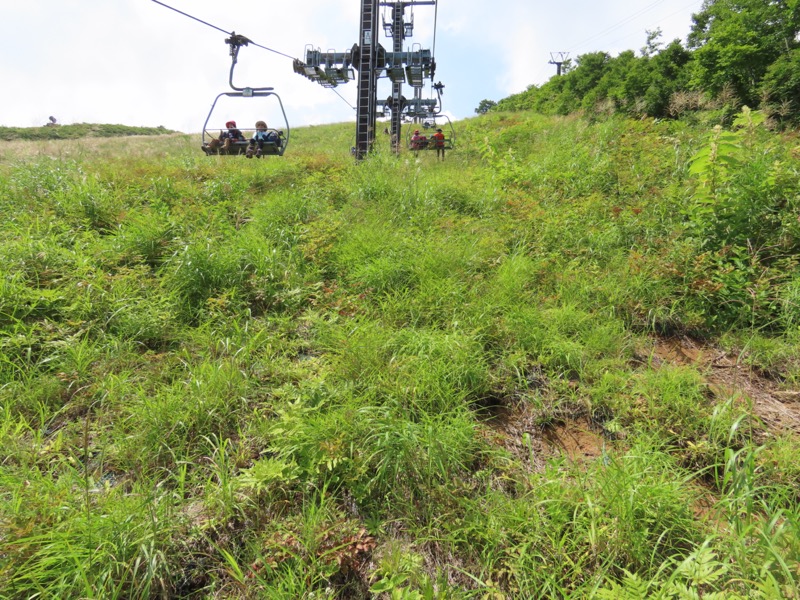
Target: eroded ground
[
  {"x": 533, "y": 440},
  {"x": 727, "y": 376}
]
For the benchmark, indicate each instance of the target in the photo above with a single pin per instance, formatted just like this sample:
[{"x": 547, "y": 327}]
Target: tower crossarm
[
  {"x": 371, "y": 61},
  {"x": 330, "y": 69}
]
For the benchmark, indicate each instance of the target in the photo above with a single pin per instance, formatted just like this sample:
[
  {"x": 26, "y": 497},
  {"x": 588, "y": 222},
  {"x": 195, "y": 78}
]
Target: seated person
[
  {"x": 418, "y": 141},
  {"x": 260, "y": 137},
  {"x": 226, "y": 138}
]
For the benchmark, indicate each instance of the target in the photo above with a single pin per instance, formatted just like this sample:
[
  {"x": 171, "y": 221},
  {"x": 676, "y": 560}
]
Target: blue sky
[{"x": 135, "y": 62}]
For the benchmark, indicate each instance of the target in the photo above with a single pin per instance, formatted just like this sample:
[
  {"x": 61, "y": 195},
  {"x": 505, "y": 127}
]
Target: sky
[{"x": 136, "y": 62}]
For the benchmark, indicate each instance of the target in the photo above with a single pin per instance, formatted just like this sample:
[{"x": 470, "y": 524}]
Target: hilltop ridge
[{"x": 78, "y": 130}]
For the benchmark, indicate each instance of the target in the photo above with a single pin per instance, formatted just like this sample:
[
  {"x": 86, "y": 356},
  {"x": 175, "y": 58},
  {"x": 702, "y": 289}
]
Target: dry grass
[{"x": 85, "y": 148}]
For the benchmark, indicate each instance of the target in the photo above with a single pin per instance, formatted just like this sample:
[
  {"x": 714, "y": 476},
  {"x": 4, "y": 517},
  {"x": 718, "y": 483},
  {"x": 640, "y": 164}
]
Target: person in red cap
[
  {"x": 226, "y": 138},
  {"x": 232, "y": 135},
  {"x": 418, "y": 141}
]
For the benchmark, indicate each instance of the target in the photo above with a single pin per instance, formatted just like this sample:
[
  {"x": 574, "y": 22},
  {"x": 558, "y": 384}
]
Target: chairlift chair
[
  {"x": 240, "y": 147},
  {"x": 429, "y": 124}
]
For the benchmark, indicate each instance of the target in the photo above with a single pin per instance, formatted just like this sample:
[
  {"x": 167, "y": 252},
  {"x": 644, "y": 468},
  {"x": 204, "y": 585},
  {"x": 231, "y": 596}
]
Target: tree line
[{"x": 738, "y": 52}]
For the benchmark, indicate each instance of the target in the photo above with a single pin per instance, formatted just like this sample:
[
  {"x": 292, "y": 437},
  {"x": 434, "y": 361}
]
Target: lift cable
[
  {"x": 433, "y": 49},
  {"x": 678, "y": 12},
  {"x": 246, "y": 41},
  {"x": 222, "y": 30},
  {"x": 343, "y": 98},
  {"x": 435, "y": 19},
  {"x": 630, "y": 18}
]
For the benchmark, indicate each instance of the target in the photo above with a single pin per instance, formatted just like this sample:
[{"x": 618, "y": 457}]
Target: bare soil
[
  {"x": 727, "y": 376},
  {"x": 518, "y": 430},
  {"x": 521, "y": 432}
]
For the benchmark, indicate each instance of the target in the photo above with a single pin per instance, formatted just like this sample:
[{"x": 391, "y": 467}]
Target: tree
[
  {"x": 670, "y": 74},
  {"x": 652, "y": 45},
  {"x": 590, "y": 70},
  {"x": 485, "y": 106},
  {"x": 781, "y": 86},
  {"x": 736, "y": 41}
]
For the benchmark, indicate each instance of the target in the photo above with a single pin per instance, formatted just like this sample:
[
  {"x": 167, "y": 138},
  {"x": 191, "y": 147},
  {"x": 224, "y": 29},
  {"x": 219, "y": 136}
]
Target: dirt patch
[
  {"x": 575, "y": 439},
  {"x": 728, "y": 377},
  {"x": 520, "y": 431}
]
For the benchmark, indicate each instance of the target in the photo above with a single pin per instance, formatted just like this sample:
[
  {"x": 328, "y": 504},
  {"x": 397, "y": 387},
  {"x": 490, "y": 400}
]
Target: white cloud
[{"x": 138, "y": 63}]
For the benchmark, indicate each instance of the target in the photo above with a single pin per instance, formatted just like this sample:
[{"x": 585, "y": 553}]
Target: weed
[{"x": 273, "y": 380}]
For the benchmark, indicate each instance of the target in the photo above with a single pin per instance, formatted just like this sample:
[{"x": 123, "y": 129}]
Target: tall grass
[{"x": 306, "y": 377}]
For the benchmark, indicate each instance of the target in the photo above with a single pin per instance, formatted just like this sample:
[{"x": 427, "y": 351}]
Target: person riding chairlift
[
  {"x": 259, "y": 138},
  {"x": 438, "y": 143},
  {"x": 418, "y": 141},
  {"x": 226, "y": 138}
]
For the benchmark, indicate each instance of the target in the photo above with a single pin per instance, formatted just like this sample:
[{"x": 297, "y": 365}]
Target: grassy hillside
[
  {"x": 561, "y": 363},
  {"x": 77, "y": 130}
]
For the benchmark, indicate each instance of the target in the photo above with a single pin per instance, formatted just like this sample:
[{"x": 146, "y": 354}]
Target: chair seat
[{"x": 237, "y": 148}]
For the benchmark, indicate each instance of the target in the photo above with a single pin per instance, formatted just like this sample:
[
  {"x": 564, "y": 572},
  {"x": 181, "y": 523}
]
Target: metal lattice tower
[
  {"x": 372, "y": 61},
  {"x": 398, "y": 35},
  {"x": 367, "y": 78}
]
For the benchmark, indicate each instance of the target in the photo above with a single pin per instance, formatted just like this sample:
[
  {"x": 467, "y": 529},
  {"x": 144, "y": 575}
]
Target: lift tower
[
  {"x": 558, "y": 61},
  {"x": 399, "y": 29},
  {"x": 367, "y": 78},
  {"x": 397, "y": 32},
  {"x": 373, "y": 61}
]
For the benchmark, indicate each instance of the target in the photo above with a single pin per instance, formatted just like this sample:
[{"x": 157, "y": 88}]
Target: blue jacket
[{"x": 265, "y": 136}]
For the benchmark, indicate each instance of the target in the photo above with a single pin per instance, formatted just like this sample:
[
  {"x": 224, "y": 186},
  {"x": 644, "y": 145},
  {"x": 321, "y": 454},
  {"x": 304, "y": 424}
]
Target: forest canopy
[{"x": 738, "y": 52}]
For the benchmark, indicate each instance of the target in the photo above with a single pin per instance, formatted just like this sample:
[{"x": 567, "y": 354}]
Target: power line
[
  {"x": 619, "y": 24},
  {"x": 677, "y": 12}
]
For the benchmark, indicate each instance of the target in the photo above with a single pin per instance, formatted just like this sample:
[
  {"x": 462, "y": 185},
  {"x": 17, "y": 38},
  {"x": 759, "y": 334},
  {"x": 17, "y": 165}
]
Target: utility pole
[
  {"x": 372, "y": 61},
  {"x": 558, "y": 59}
]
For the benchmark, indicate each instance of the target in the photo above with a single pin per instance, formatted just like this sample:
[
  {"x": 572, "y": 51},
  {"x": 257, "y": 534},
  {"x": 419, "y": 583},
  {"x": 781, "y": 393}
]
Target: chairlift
[
  {"x": 428, "y": 126},
  {"x": 426, "y": 113},
  {"x": 212, "y": 138},
  {"x": 212, "y": 143}
]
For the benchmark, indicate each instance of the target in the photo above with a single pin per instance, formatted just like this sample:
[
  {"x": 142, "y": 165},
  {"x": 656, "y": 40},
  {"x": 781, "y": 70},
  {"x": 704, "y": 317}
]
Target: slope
[{"x": 412, "y": 378}]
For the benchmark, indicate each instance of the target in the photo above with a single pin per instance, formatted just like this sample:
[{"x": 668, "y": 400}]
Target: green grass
[
  {"x": 305, "y": 377},
  {"x": 76, "y": 131}
]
